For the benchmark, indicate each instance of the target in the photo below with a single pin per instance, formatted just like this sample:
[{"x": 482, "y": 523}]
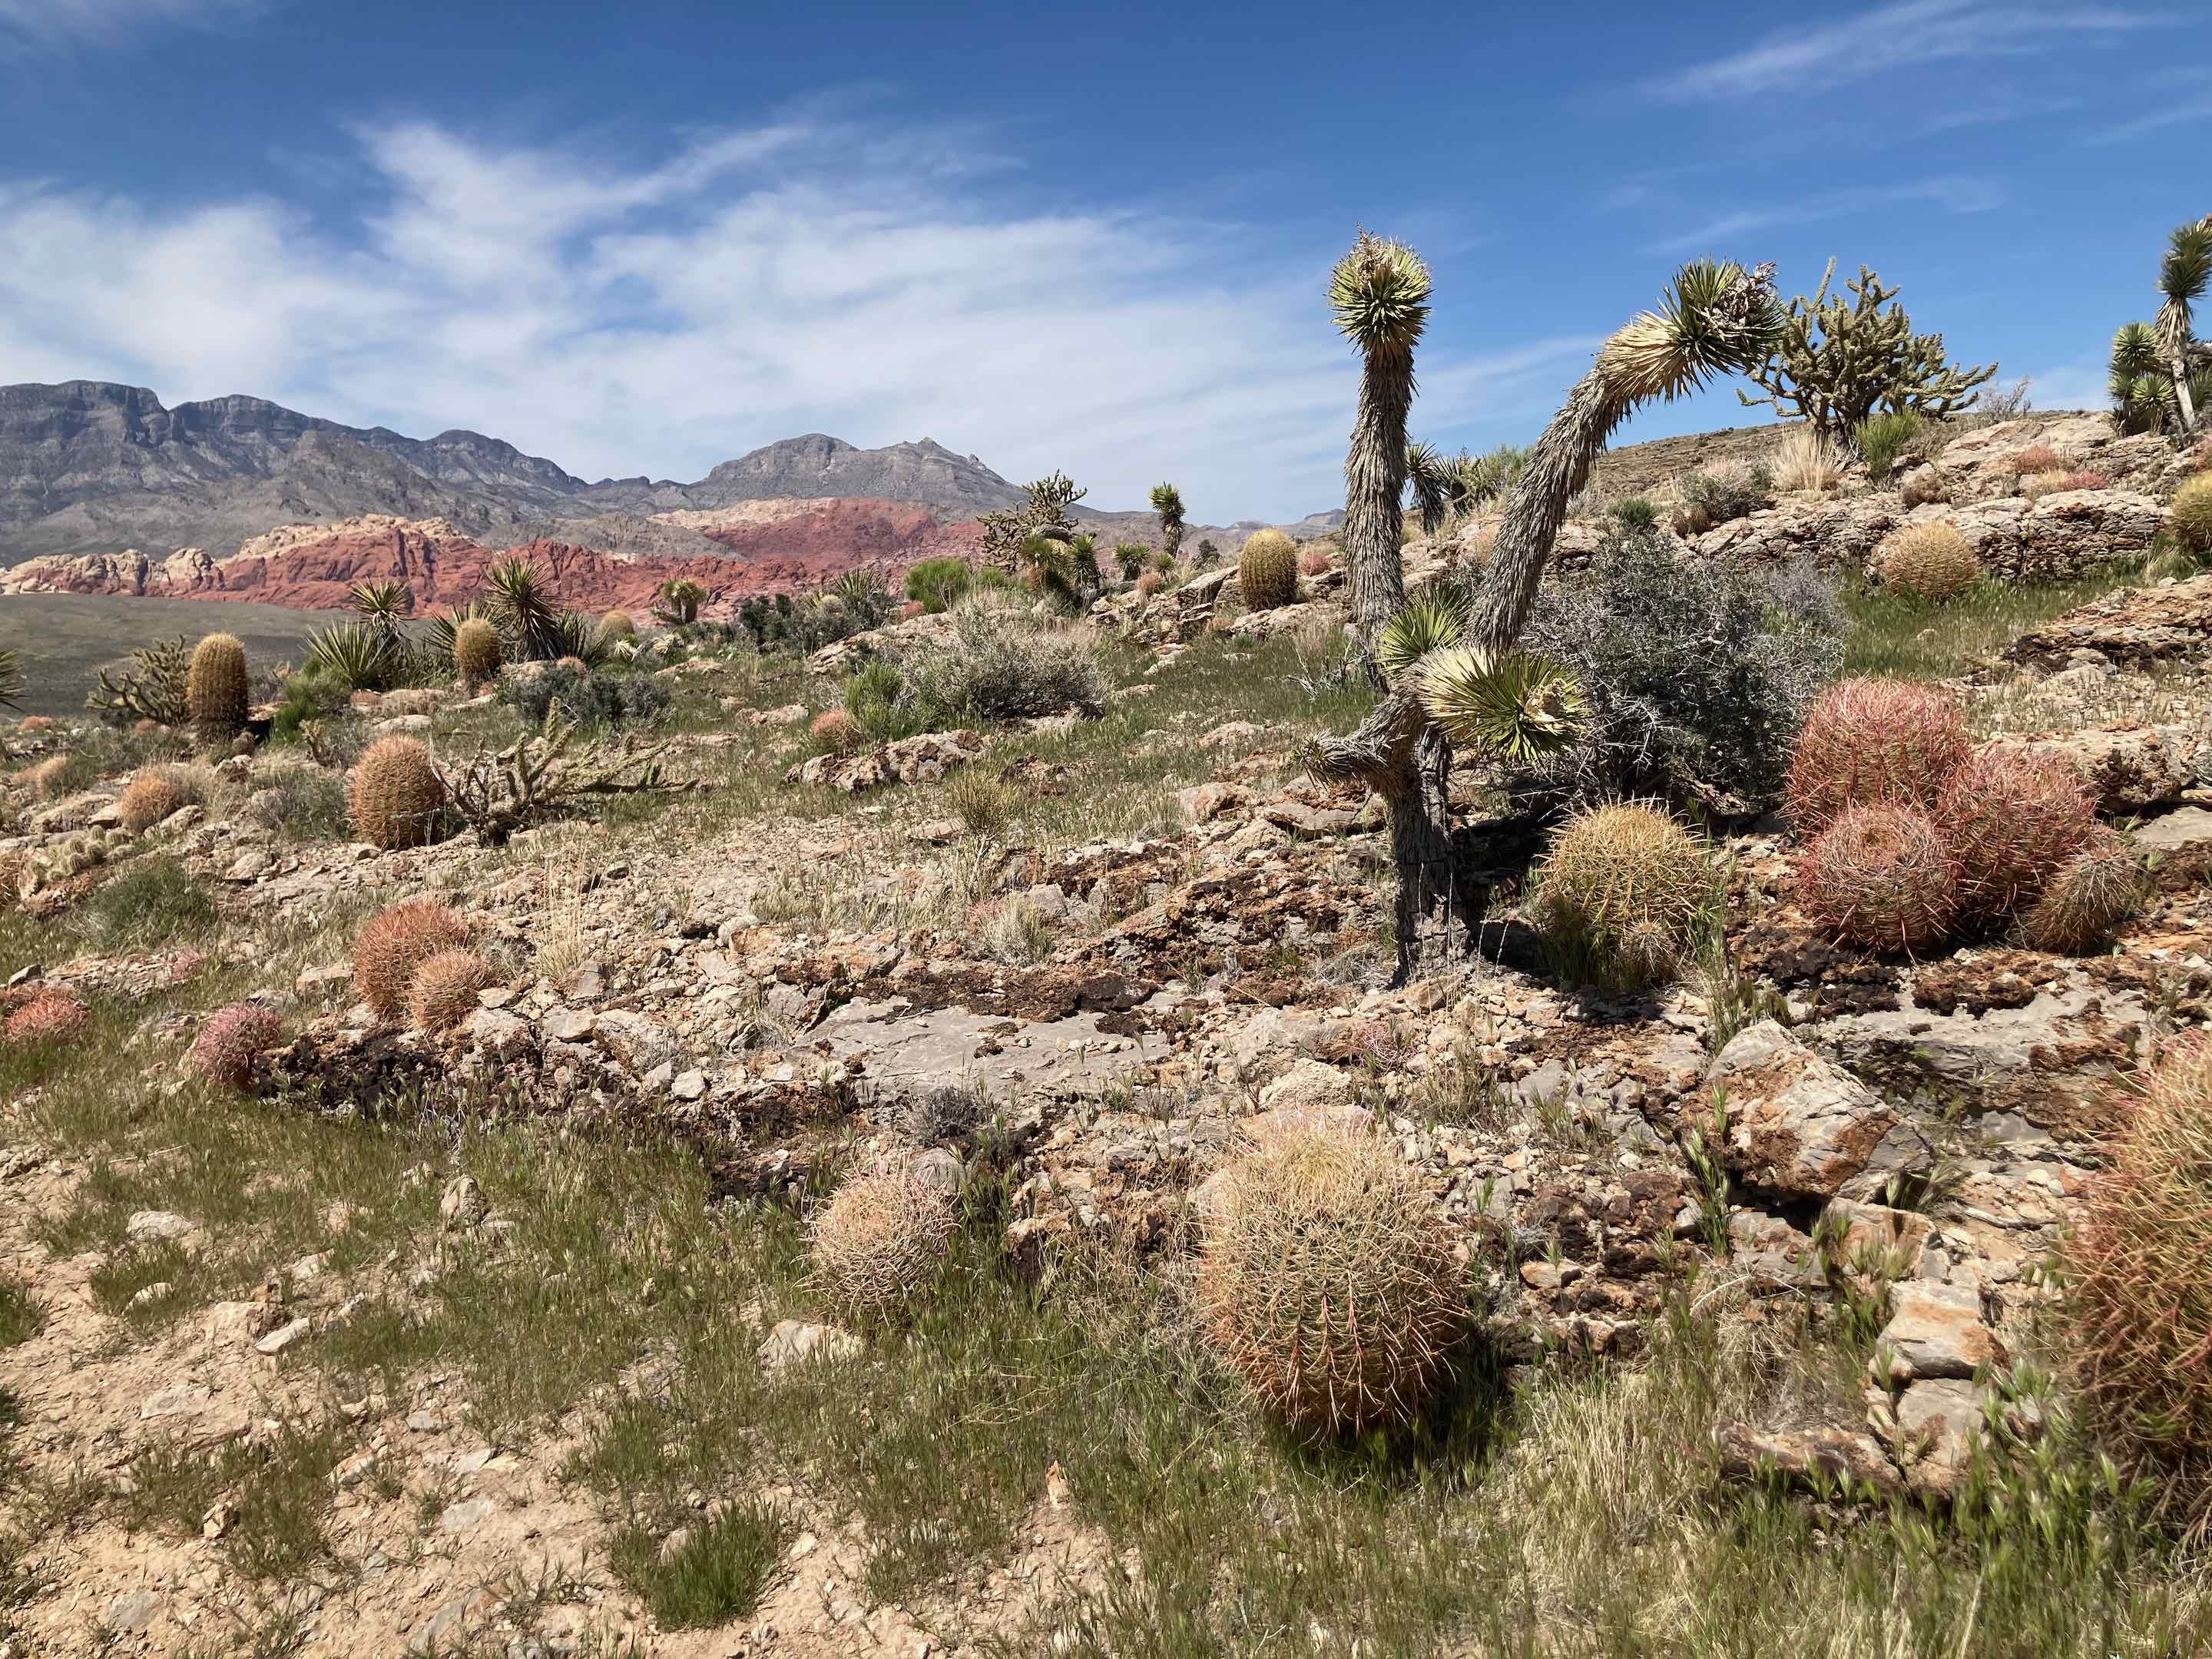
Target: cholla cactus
[
  {"x": 476, "y": 652},
  {"x": 1330, "y": 1283},
  {"x": 881, "y": 1241},
  {"x": 1929, "y": 561},
  {"x": 1622, "y": 894},
  {"x": 215, "y": 689},
  {"x": 1883, "y": 877},
  {"x": 397, "y": 797},
  {"x": 1873, "y": 741},
  {"x": 2086, "y": 899},
  {"x": 230, "y": 1045},
  {"x": 1268, "y": 570},
  {"x": 149, "y": 800},
  {"x": 444, "y": 992},
  {"x": 48, "y": 1017},
  {"x": 2013, "y": 816},
  {"x": 394, "y": 943}
]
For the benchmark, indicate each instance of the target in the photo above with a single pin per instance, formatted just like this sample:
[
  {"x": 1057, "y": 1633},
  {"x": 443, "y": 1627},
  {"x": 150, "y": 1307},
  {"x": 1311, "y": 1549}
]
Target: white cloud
[
  {"x": 2161, "y": 113},
  {"x": 1897, "y": 36},
  {"x": 1952, "y": 194},
  {"x": 30, "y": 25},
  {"x": 799, "y": 277}
]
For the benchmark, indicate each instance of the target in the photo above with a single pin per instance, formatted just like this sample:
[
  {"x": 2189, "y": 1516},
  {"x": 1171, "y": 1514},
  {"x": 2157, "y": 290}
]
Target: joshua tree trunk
[
  {"x": 2181, "y": 395},
  {"x": 1558, "y": 468},
  {"x": 1374, "y": 479}
]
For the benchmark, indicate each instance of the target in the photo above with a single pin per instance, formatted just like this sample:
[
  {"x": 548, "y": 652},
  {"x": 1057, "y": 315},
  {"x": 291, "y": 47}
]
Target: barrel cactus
[
  {"x": 1882, "y": 876},
  {"x": 1268, "y": 570},
  {"x": 881, "y": 1241},
  {"x": 230, "y": 1045},
  {"x": 2013, "y": 816},
  {"x": 2192, "y": 515},
  {"x": 215, "y": 689},
  {"x": 394, "y": 945},
  {"x": 1622, "y": 894},
  {"x": 835, "y": 730},
  {"x": 1873, "y": 741},
  {"x": 444, "y": 991},
  {"x": 1330, "y": 1281},
  {"x": 2086, "y": 898},
  {"x": 476, "y": 652},
  {"x": 48, "y": 1017},
  {"x": 1929, "y": 561},
  {"x": 617, "y": 625},
  {"x": 149, "y": 800},
  {"x": 398, "y": 796}
]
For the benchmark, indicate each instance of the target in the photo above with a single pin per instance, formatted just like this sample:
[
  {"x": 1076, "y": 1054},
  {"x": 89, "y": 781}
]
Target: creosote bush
[
  {"x": 2191, "y": 515},
  {"x": 48, "y": 1017},
  {"x": 996, "y": 664},
  {"x": 397, "y": 798},
  {"x": 231, "y": 1043},
  {"x": 2013, "y": 816},
  {"x": 1873, "y": 741},
  {"x": 1622, "y": 894},
  {"x": 2139, "y": 1286},
  {"x": 394, "y": 945},
  {"x": 1329, "y": 1281},
  {"x": 2087, "y": 898},
  {"x": 1268, "y": 570},
  {"x": 148, "y": 801},
  {"x": 1929, "y": 561},
  {"x": 881, "y": 1241},
  {"x": 444, "y": 992},
  {"x": 215, "y": 689},
  {"x": 1883, "y": 877}
]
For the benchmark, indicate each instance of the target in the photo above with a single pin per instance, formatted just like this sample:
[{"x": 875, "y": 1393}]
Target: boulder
[
  {"x": 1801, "y": 1126},
  {"x": 1935, "y": 1331}
]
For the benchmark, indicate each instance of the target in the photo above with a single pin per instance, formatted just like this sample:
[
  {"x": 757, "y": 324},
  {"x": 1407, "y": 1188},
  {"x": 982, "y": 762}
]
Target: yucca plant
[
  {"x": 1429, "y": 478},
  {"x": 383, "y": 606},
  {"x": 679, "y": 602},
  {"x": 1379, "y": 293},
  {"x": 1167, "y": 501},
  {"x": 356, "y": 655},
  {"x": 11, "y": 677},
  {"x": 2182, "y": 276},
  {"x": 522, "y": 603},
  {"x": 573, "y": 634}
]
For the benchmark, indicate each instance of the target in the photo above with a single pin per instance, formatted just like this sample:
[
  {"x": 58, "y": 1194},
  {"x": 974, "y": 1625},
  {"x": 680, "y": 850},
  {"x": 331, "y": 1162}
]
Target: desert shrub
[
  {"x": 712, "y": 1571},
  {"x": 307, "y": 695},
  {"x": 996, "y": 664},
  {"x": 1873, "y": 743},
  {"x": 881, "y": 1241},
  {"x": 1728, "y": 492},
  {"x": 2190, "y": 516},
  {"x": 146, "y": 802},
  {"x": 1313, "y": 561},
  {"x": 1329, "y": 1281},
  {"x": 215, "y": 688},
  {"x": 395, "y": 942},
  {"x": 152, "y": 902},
  {"x": 48, "y": 1016},
  {"x": 1623, "y": 895},
  {"x": 51, "y": 778},
  {"x": 2138, "y": 1292},
  {"x": 984, "y": 805},
  {"x": 1924, "y": 486},
  {"x": 2038, "y": 485},
  {"x": 1150, "y": 583},
  {"x": 781, "y": 622},
  {"x": 835, "y": 730},
  {"x": 307, "y": 802},
  {"x": 444, "y": 991},
  {"x": 1634, "y": 513},
  {"x": 2086, "y": 899},
  {"x": 1881, "y": 876},
  {"x": 2036, "y": 457},
  {"x": 938, "y": 584},
  {"x": 2013, "y": 816},
  {"x": 1695, "y": 676},
  {"x": 1929, "y": 561},
  {"x": 397, "y": 798},
  {"x": 231, "y": 1041},
  {"x": 1805, "y": 460},
  {"x": 1268, "y": 570},
  {"x": 872, "y": 697},
  {"x": 597, "y": 698},
  {"x": 912, "y": 608},
  {"x": 1882, "y": 440}
]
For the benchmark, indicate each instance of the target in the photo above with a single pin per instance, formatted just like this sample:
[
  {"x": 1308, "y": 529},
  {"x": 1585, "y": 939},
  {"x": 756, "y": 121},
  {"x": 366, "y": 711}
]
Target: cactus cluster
[
  {"x": 394, "y": 947},
  {"x": 230, "y": 1045},
  {"x": 1622, "y": 893},
  {"x": 2086, "y": 898},
  {"x": 1268, "y": 570},
  {"x": 476, "y": 652},
  {"x": 1929, "y": 561},
  {"x": 444, "y": 992},
  {"x": 881, "y": 1241},
  {"x": 2138, "y": 1282},
  {"x": 150, "y": 799},
  {"x": 1869, "y": 742},
  {"x": 2013, "y": 816},
  {"x": 215, "y": 690},
  {"x": 47, "y": 1017},
  {"x": 2191, "y": 515},
  {"x": 1881, "y": 876},
  {"x": 1330, "y": 1281},
  {"x": 397, "y": 798}
]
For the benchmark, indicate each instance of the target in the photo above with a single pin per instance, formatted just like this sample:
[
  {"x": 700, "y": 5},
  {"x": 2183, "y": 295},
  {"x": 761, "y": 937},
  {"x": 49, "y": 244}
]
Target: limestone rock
[
  {"x": 1936, "y": 1331},
  {"x": 795, "y": 1341},
  {"x": 1803, "y": 1126}
]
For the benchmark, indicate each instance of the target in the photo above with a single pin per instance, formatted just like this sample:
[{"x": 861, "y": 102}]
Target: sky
[{"x": 645, "y": 239}]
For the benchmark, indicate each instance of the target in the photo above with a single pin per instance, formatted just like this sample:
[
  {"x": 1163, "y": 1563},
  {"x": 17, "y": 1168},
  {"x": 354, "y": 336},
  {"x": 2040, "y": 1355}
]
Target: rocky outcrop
[
  {"x": 2055, "y": 538},
  {"x": 2136, "y": 628}
]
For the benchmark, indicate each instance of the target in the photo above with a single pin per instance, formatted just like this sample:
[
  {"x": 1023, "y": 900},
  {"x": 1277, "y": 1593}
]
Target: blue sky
[{"x": 650, "y": 237}]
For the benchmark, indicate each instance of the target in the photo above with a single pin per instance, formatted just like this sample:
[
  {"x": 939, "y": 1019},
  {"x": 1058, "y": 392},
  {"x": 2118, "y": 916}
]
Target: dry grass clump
[
  {"x": 1313, "y": 561},
  {"x": 1150, "y": 582},
  {"x": 1329, "y": 1281},
  {"x": 397, "y": 798},
  {"x": 2036, "y": 457},
  {"x": 2139, "y": 1286},
  {"x": 49, "y": 777},
  {"x": 984, "y": 805},
  {"x": 1806, "y": 460},
  {"x": 2086, "y": 898},
  {"x": 49, "y": 1015},
  {"x": 2013, "y": 816},
  {"x": 881, "y": 1241},
  {"x": 2037, "y": 485},
  {"x": 1873, "y": 742},
  {"x": 835, "y": 730},
  {"x": 2191, "y": 514},
  {"x": 2085, "y": 479},
  {"x": 1622, "y": 894},
  {"x": 394, "y": 945},
  {"x": 1268, "y": 570},
  {"x": 444, "y": 991},
  {"x": 230, "y": 1045},
  {"x": 1929, "y": 561},
  {"x": 148, "y": 801},
  {"x": 1882, "y": 876}
]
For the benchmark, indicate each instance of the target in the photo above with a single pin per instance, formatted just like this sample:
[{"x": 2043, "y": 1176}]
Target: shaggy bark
[
  {"x": 1374, "y": 479},
  {"x": 1558, "y": 468}
]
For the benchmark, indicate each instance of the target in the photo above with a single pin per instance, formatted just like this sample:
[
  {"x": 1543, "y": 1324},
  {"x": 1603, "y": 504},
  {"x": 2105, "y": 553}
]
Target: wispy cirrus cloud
[
  {"x": 808, "y": 276},
  {"x": 1954, "y": 194},
  {"x": 2179, "y": 99},
  {"x": 32, "y": 26},
  {"x": 1901, "y": 34}
]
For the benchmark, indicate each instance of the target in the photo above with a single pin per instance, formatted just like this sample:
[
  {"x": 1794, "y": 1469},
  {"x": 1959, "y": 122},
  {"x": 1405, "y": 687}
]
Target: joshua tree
[
  {"x": 1455, "y": 676},
  {"x": 1429, "y": 476},
  {"x": 1006, "y": 533},
  {"x": 1380, "y": 294},
  {"x": 679, "y": 601},
  {"x": 1167, "y": 501},
  {"x": 2182, "y": 274}
]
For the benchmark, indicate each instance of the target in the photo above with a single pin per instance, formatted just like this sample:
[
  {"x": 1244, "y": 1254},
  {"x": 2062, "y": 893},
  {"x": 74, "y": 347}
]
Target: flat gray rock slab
[{"x": 1060, "y": 1057}]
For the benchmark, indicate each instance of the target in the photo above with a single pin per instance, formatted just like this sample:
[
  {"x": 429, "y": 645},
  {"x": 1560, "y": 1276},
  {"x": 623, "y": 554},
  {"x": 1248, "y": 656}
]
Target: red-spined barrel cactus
[
  {"x": 397, "y": 797},
  {"x": 2086, "y": 898},
  {"x": 146, "y": 802},
  {"x": 1873, "y": 741},
  {"x": 230, "y": 1045},
  {"x": 48, "y": 1017},
  {"x": 444, "y": 992},
  {"x": 1881, "y": 877},
  {"x": 394, "y": 945},
  {"x": 2013, "y": 816}
]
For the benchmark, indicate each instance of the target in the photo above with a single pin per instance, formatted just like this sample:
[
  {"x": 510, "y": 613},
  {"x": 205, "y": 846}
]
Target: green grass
[
  {"x": 21, "y": 1316},
  {"x": 155, "y": 900},
  {"x": 1893, "y": 633},
  {"x": 717, "y": 1572}
]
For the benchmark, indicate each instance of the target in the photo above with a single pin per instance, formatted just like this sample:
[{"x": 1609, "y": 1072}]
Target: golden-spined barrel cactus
[
  {"x": 1330, "y": 1281},
  {"x": 398, "y": 796},
  {"x": 1622, "y": 894},
  {"x": 1929, "y": 561},
  {"x": 393, "y": 947},
  {"x": 476, "y": 652},
  {"x": 617, "y": 625},
  {"x": 1268, "y": 570},
  {"x": 881, "y": 1241},
  {"x": 215, "y": 688},
  {"x": 146, "y": 802},
  {"x": 444, "y": 992},
  {"x": 2192, "y": 515}
]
